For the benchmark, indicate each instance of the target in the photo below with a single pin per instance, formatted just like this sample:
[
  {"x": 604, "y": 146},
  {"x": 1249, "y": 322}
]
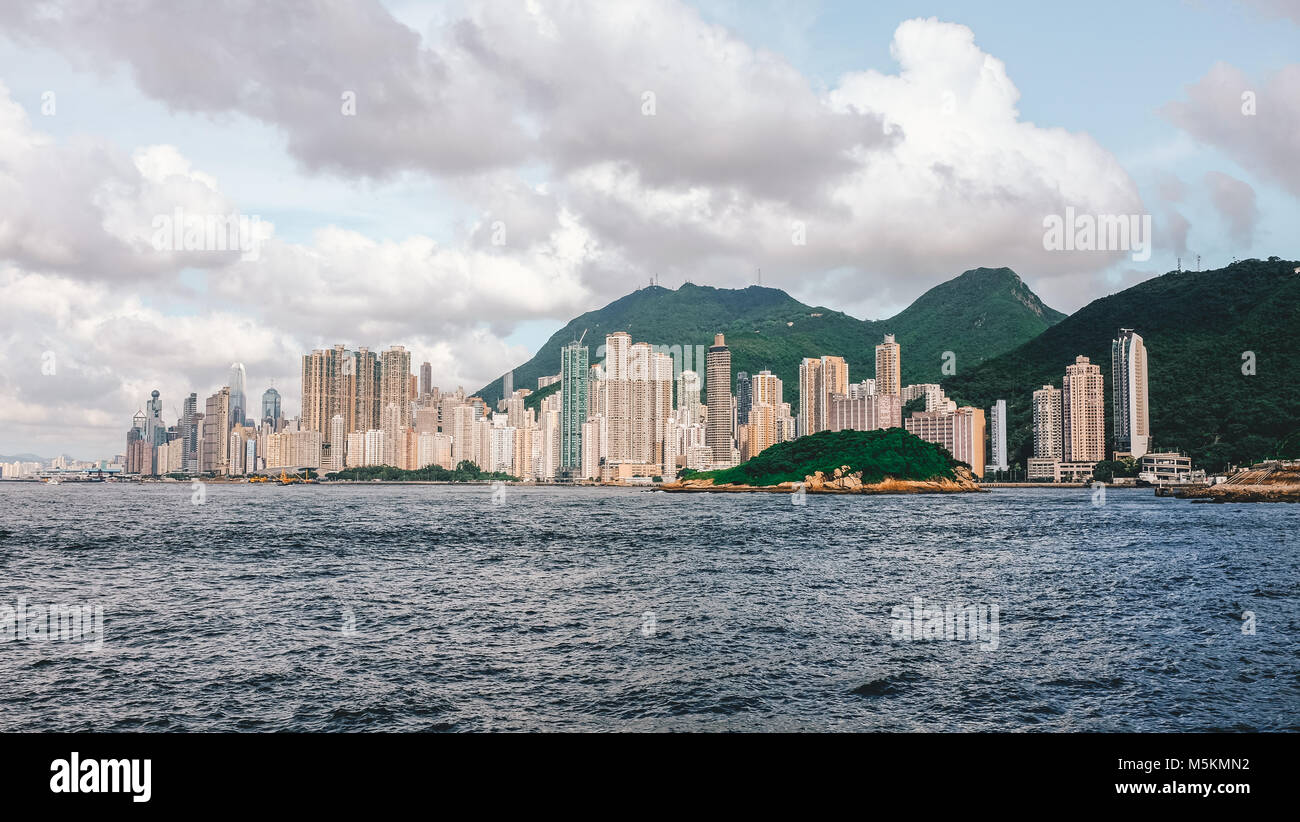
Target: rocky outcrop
[{"x": 843, "y": 480}]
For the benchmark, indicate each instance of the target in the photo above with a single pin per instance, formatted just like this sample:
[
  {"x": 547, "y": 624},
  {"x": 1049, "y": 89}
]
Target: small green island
[
  {"x": 465, "y": 472},
  {"x": 889, "y": 461}
]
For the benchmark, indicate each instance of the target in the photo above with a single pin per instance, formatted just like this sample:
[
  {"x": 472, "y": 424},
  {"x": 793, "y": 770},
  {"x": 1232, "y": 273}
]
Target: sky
[{"x": 464, "y": 178}]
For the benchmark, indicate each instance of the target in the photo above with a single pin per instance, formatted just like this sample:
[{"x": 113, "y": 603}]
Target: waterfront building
[
  {"x": 998, "y": 436},
  {"x": 1083, "y": 421},
  {"x": 1128, "y": 357},
  {"x": 395, "y": 384},
  {"x": 574, "y": 394},
  {"x": 718, "y": 390},
  {"x": 1048, "y": 428},
  {"x": 214, "y": 454}
]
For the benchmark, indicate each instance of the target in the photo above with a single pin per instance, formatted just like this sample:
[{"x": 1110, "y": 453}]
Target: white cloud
[
  {"x": 1255, "y": 121},
  {"x": 1235, "y": 201}
]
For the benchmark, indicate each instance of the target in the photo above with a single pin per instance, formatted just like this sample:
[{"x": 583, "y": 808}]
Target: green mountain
[
  {"x": 1197, "y": 327},
  {"x": 977, "y": 315}
]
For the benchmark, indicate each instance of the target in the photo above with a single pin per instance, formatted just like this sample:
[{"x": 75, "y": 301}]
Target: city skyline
[{"x": 635, "y": 413}]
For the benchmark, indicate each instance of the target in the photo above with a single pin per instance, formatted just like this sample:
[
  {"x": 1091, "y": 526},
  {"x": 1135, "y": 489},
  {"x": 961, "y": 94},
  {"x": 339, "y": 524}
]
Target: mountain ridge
[{"x": 976, "y": 315}]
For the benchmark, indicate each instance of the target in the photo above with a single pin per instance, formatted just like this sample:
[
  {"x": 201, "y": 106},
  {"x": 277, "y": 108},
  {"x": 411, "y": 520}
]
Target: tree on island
[{"x": 466, "y": 471}]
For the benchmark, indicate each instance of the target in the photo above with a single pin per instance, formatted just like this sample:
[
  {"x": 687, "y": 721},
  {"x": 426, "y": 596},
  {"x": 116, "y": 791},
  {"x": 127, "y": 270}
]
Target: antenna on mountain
[
  {"x": 1198, "y": 262},
  {"x": 1180, "y": 265},
  {"x": 760, "y": 276}
]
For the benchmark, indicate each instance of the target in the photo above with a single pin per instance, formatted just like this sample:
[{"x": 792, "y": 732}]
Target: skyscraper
[
  {"x": 214, "y": 451},
  {"x": 688, "y": 393},
  {"x": 574, "y": 373},
  {"x": 338, "y": 440},
  {"x": 1128, "y": 364},
  {"x": 998, "y": 436},
  {"x": 889, "y": 367},
  {"x": 426, "y": 380},
  {"x": 339, "y": 381},
  {"x": 1048, "y": 432},
  {"x": 238, "y": 394},
  {"x": 271, "y": 407},
  {"x": 1083, "y": 412},
  {"x": 155, "y": 431},
  {"x": 835, "y": 377},
  {"x": 395, "y": 383},
  {"x": 190, "y": 434},
  {"x": 819, "y": 380},
  {"x": 394, "y": 435},
  {"x": 744, "y": 397},
  {"x": 717, "y": 388},
  {"x": 768, "y": 389},
  {"x": 618, "y": 395},
  {"x": 661, "y": 405},
  {"x": 359, "y": 387},
  {"x": 641, "y": 393},
  {"x": 810, "y": 382}
]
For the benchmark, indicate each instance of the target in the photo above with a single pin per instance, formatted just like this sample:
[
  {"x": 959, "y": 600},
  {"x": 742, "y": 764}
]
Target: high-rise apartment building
[
  {"x": 661, "y": 402},
  {"x": 462, "y": 433},
  {"x": 215, "y": 444},
  {"x": 835, "y": 378},
  {"x": 718, "y": 392},
  {"x": 688, "y": 393},
  {"x": 810, "y": 382},
  {"x": 375, "y": 447},
  {"x": 865, "y": 412},
  {"x": 889, "y": 360},
  {"x": 819, "y": 380},
  {"x": 355, "y": 452},
  {"x": 338, "y": 381},
  {"x": 395, "y": 382},
  {"x": 1083, "y": 416},
  {"x": 767, "y": 389},
  {"x": 338, "y": 440},
  {"x": 1049, "y": 441},
  {"x": 1128, "y": 363},
  {"x": 574, "y": 373},
  {"x": 426, "y": 379},
  {"x": 961, "y": 432},
  {"x": 641, "y": 392},
  {"x": 744, "y": 397},
  {"x": 998, "y": 436},
  {"x": 618, "y": 388}
]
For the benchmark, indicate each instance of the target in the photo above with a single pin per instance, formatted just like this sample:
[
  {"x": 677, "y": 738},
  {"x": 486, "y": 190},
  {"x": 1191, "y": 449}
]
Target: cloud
[
  {"x": 1288, "y": 9},
  {"x": 1218, "y": 112},
  {"x": 1235, "y": 202},
  {"x": 86, "y": 209}
]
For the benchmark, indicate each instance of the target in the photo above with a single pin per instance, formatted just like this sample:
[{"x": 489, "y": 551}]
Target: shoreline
[{"x": 841, "y": 481}]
